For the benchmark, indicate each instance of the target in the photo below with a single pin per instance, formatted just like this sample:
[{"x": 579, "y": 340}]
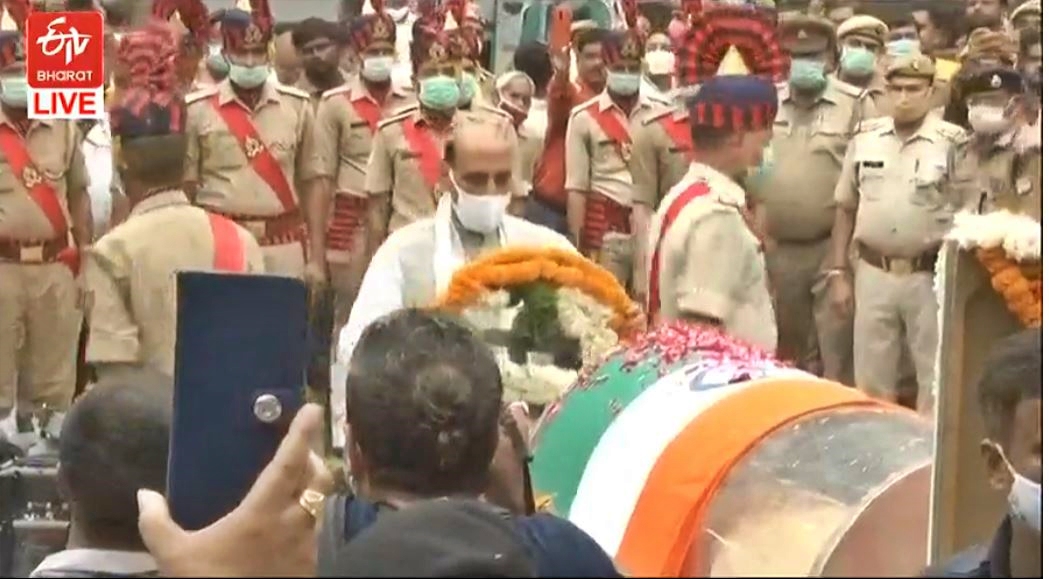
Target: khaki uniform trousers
[
  {"x": 40, "y": 322},
  {"x": 346, "y": 270},
  {"x": 811, "y": 333},
  {"x": 894, "y": 312}
]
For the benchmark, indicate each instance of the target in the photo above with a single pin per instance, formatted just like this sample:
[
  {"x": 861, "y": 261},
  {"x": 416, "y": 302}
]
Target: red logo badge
[{"x": 64, "y": 65}]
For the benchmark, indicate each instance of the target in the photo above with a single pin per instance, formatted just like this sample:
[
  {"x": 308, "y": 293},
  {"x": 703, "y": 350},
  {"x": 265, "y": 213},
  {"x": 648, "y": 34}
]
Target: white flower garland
[
  {"x": 581, "y": 317},
  {"x": 1019, "y": 235}
]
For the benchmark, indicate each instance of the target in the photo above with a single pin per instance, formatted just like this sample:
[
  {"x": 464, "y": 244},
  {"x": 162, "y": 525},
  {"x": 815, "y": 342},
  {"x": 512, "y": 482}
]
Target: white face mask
[
  {"x": 659, "y": 61},
  {"x": 1025, "y": 498},
  {"x": 377, "y": 68},
  {"x": 988, "y": 119},
  {"x": 480, "y": 213}
]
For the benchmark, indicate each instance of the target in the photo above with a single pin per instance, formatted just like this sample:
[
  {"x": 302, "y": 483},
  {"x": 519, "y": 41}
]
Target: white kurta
[
  {"x": 383, "y": 289},
  {"x": 98, "y": 157}
]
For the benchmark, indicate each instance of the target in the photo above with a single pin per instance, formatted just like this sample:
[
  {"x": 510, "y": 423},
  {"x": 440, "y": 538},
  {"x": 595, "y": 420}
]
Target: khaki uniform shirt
[
  {"x": 657, "y": 162},
  {"x": 711, "y": 264},
  {"x": 875, "y": 100},
  {"x": 593, "y": 161},
  {"x": 226, "y": 180},
  {"x": 130, "y": 274},
  {"x": 530, "y": 146},
  {"x": 342, "y": 138},
  {"x": 898, "y": 186},
  {"x": 986, "y": 178},
  {"x": 808, "y": 145},
  {"x": 313, "y": 91},
  {"x": 393, "y": 169},
  {"x": 54, "y": 147}
]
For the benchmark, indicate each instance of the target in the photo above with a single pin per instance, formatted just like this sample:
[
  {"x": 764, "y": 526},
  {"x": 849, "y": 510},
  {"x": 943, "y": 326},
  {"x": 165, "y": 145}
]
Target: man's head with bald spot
[
  {"x": 286, "y": 61},
  {"x": 480, "y": 158}
]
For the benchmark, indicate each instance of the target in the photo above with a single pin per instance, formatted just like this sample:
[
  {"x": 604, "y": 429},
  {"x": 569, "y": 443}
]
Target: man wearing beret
[
  {"x": 598, "y": 150},
  {"x": 707, "y": 264},
  {"x": 45, "y": 218},
  {"x": 817, "y": 115},
  {"x": 347, "y": 120},
  {"x": 990, "y": 171},
  {"x": 892, "y": 203},
  {"x": 250, "y": 149},
  {"x": 861, "y": 45}
]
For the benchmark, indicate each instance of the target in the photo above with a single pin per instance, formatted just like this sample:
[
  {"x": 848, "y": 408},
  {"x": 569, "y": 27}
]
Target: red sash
[
  {"x": 679, "y": 203},
  {"x": 679, "y": 132},
  {"x": 13, "y": 147},
  {"x": 262, "y": 161},
  {"x": 229, "y": 248},
  {"x": 612, "y": 127},
  {"x": 368, "y": 110},
  {"x": 422, "y": 143}
]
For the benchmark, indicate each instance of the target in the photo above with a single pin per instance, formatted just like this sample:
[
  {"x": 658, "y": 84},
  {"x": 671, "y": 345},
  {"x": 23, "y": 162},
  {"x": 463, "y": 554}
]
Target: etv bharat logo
[{"x": 64, "y": 65}]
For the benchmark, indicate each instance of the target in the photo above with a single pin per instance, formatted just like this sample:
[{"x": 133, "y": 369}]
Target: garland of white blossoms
[
  {"x": 1018, "y": 235},
  {"x": 537, "y": 381}
]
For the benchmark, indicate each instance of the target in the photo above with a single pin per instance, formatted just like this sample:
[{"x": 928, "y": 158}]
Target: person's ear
[{"x": 997, "y": 470}]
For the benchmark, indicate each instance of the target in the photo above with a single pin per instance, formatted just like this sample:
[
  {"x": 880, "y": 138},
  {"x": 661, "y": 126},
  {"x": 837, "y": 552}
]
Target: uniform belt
[
  {"x": 32, "y": 252},
  {"x": 273, "y": 230},
  {"x": 925, "y": 262}
]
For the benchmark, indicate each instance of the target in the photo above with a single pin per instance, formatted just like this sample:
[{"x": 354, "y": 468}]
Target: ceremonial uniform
[
  {"x": 659, "y": 158},
  {"x": 705, "y": 260},
  {"x": 993, "y": 171},
  {"x": 896, "y": 186},
  {"x": 598, "y": 149},
  {"x": 42, "y": 178},
  {"x": 347, "y": 120}
]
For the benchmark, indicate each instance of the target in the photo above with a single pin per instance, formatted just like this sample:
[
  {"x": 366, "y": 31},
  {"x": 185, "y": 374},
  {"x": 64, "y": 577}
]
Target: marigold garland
[
  {"x": 516, "y": 266},
  {"x": 1022, "y": 296}
]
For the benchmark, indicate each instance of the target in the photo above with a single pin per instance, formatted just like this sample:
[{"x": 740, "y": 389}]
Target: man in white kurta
[{"x": 415, "y": 264}]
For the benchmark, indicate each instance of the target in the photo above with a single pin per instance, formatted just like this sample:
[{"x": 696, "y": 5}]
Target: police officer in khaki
[
  {"x": 130, "y": 271},
  {"x": 861, "y": 49},
  {"x": 406, "y": 169},
  {"x": 347, "y": 119},
  {"x": 992, "y": 170},
  {"x": 250, "y": 151},
  {"x": 598, "y": 150},
  {"x": 817, "y": 115},
  {"x": 45, "y": 217},
  {"x": 706, "y": 262},
  {"x": 893, "y": 204}
]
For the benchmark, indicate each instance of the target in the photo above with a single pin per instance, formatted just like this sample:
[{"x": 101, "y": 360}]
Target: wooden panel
[{"x": 965, "y": 510}]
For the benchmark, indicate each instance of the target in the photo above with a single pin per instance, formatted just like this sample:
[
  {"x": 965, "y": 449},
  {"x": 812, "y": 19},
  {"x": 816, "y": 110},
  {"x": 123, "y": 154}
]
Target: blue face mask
[
  {"x": 903, "y": 47},
  {"x": 248, "y": 76},
  {"x": 807, "y": 74},
  {"x": 468, "y": 87},
  {"x": 439, "y": 92},
  {"x": 857, "y": 61},
  {"x": 758, "y": 175},
  {"x": 624, "y": 83},
  {"x": 14, "y": 91},
  {"x": 216, "y": 61}
]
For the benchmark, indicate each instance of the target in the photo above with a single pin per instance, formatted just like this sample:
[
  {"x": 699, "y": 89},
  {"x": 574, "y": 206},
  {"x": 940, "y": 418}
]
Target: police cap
[{"x": 805, "y": 34}]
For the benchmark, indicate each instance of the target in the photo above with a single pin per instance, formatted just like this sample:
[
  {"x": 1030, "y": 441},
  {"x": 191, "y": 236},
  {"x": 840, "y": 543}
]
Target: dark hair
[
  {"x": 283, "y": 27},
  {"x": 707, "y": 138},
  {"x": 589, "y": 36},
  {"x": 114, "y": 441},
  {"x": 1012, "y": 373},
  {"x": 948, "y": 18},
  {"x": 423, "y": 399},
  {"x": 311, "y": 29},
  {"x": 1029, "y": 37},
  {"x": 533, "y": 59}
]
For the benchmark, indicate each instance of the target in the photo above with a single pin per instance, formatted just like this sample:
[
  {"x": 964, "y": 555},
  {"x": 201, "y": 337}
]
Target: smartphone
[
  {"x": 561, "y": 28},
  {"x": 241, "y": 353}
]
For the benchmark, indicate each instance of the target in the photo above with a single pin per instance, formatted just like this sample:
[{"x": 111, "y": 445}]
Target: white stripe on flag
[{"x": 618, "y": 468}]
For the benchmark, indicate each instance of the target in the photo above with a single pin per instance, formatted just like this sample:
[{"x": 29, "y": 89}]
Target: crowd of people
[{"x": 787, "y": 177}]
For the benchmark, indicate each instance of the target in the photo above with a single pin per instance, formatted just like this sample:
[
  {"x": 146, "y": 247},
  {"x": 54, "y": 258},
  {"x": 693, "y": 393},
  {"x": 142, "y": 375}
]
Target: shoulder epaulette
[
  {"x": 951, "y": 131},
  {"x": 873, "y": 124},
  {"x": 201, "y": 94},
  {"x": 657, "y": 114},
  {"x": 292, "y": 91},
  {"x": 335, "y": 91},
  {"x": 583, "y": 105},
  {"x": 848, "y": 89},
  {"x": 397, "y": 115}
]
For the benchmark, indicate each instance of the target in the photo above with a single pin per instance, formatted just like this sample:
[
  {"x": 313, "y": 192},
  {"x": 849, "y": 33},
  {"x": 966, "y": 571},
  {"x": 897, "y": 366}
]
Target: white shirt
[
  {"x": 98, "y": 157},
  {"x": 76, "y": 561}
]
